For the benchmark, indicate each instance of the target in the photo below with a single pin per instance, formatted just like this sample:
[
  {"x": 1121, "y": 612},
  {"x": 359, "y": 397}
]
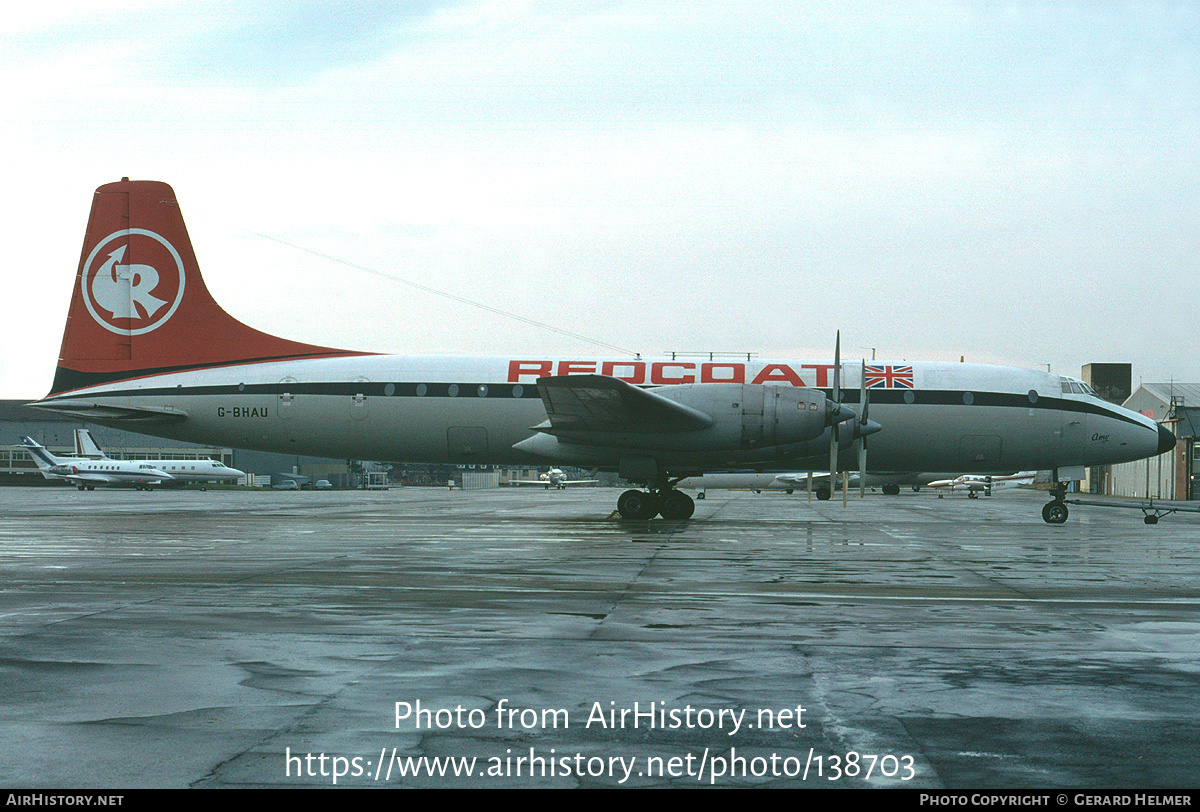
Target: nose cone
[
  {"x": 1166, "y": 440},
  {"x": 840, "y": 414},
  {"x": 863, "y": 429}
]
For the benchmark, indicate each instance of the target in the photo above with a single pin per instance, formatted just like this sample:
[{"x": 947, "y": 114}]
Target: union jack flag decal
[{"x": 889, "y": 377}]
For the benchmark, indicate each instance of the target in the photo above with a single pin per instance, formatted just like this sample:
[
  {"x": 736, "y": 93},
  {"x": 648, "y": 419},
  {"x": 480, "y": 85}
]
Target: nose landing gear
[{"x": 1055, "y": 511}]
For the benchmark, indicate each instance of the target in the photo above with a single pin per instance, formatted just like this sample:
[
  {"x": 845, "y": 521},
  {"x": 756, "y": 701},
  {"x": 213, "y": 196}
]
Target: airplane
[
  {"x": 181, "y": 471},
  {"x": 132, "y": 357},
  {"x": 86, "y": 473},
  {"x": 792, "y": 481},
  {"x": 975, "y": 484},
  {"x": 555, "y": 478}
]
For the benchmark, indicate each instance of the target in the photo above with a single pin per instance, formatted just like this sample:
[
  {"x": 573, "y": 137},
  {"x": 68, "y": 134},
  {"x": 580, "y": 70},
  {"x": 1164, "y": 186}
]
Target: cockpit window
[{"x": 1070, "y": 386}]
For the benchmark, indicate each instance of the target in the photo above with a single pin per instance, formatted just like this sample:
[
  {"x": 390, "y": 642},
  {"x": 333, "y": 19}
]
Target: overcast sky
[{"x": 1011, "y": 182}]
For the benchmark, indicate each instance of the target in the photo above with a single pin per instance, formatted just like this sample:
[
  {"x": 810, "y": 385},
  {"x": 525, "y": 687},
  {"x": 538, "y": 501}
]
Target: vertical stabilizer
[{"x": 140, "y": 306}]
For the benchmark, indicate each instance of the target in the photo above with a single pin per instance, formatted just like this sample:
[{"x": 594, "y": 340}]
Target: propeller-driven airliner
[{"x": 147, "y": 348}]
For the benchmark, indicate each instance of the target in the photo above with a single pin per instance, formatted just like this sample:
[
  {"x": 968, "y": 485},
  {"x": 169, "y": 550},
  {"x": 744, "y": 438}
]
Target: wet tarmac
[{"x": 408, "y": 637}]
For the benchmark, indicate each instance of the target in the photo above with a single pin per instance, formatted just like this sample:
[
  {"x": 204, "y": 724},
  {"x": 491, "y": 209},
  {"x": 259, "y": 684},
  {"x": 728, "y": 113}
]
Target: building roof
[{"x": 1190, "y": 392}]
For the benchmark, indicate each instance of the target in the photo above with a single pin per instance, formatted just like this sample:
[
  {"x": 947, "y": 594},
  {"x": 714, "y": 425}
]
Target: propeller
[
  {"x": 835, "y": 398},
  {"x": 864, "y": 406}
]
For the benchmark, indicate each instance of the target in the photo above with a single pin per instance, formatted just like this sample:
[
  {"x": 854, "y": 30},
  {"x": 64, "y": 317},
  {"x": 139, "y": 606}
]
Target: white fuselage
[
  {"x": 955, "y": 417},
  {"x": 197, "y": 470}
]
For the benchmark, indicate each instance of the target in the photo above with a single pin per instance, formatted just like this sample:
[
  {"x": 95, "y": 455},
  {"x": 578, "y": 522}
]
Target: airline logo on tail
[{"x": 133, "y": 297}]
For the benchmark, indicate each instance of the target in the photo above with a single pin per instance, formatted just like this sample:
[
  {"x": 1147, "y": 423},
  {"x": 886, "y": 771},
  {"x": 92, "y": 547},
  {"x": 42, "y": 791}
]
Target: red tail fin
[{"x": 140, "y": 306}]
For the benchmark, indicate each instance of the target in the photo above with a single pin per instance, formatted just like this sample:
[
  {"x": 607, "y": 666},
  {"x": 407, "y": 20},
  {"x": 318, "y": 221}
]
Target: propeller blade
[
  {"x": 864, "y": 403},
  {"x": 835, "y": 397}
]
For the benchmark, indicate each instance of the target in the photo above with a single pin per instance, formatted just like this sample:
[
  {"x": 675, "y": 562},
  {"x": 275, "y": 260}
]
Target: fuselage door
[
  {"x": 286, "y": 406},
  {"x": 358, "y": 401}
]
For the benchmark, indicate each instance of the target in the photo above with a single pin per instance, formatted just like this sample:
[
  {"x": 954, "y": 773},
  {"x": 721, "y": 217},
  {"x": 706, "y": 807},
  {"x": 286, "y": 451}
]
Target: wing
[{"x": 600, "y": 404}]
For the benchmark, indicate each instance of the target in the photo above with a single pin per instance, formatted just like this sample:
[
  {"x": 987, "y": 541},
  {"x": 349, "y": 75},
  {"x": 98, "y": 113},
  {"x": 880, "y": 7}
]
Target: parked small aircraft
[
  {"x": 87, "y": 473},
  {"x": 181, "y": 471},
  {"x": 975, "y": 484},
  {"x": 555, "y": 478}
]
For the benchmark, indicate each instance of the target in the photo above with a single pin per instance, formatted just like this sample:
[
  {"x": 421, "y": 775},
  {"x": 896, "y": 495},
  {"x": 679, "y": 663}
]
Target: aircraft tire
[
  {"x": 1054, "y": 512},
  {"x": 823, "y": 494},
  {"x": 637, "y": 505},
  {"x": 1151, "y": 520},
  {"x": 677, "y": 506},
  {"x": 891, "y": 490}
]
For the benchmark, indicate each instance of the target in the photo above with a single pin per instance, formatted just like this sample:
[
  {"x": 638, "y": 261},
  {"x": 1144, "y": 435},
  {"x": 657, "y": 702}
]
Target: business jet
[
  {"x": 86, "y": 473},
  {"x": 555, "y": 478},
  {"x": 181, "y": 471},
  {"x": 975, "y": 484},
  {"x": 146, "y": 348}
]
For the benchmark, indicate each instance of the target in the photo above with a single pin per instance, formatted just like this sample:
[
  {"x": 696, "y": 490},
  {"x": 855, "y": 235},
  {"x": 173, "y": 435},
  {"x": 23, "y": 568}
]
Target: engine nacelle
[
  {"x": 749, "y": 416},
  {"x": 721, "y": 417}
]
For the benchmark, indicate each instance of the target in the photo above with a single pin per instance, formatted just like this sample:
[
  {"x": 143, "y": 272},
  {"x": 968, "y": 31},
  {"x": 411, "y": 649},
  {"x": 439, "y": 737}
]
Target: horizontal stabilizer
[
  {"x": 107, "y": 413},
  {"x": 598, "y": 403}
]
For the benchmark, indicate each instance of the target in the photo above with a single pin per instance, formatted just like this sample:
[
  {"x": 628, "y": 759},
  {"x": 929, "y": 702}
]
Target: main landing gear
[{"x": 666, "y": 502}]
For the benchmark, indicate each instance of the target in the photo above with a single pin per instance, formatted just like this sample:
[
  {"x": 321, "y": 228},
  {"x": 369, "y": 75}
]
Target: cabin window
[
  {"x": 453, "y": 390},
  {"x": 421, "y": 390}
]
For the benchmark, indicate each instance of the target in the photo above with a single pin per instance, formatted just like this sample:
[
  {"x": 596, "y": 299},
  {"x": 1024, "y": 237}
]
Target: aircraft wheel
[
  {"x": 758, "y": 491},
  {"x": 700, "y": 495},
  {"x": 80, "y": 487},
  {"x": 916, "y": 488},
  {"x": 891, "y": 490},
  {"x": 823, "y": 494},
  {"x": 972, "y": 495},
  {"x": 790, "y": 491},
  {"x": 1151, "y": 520},
  {"x": 677, "y": 506},
  {"x": 637, "y": 505},
  {"x": 1054, "y": 512}
]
